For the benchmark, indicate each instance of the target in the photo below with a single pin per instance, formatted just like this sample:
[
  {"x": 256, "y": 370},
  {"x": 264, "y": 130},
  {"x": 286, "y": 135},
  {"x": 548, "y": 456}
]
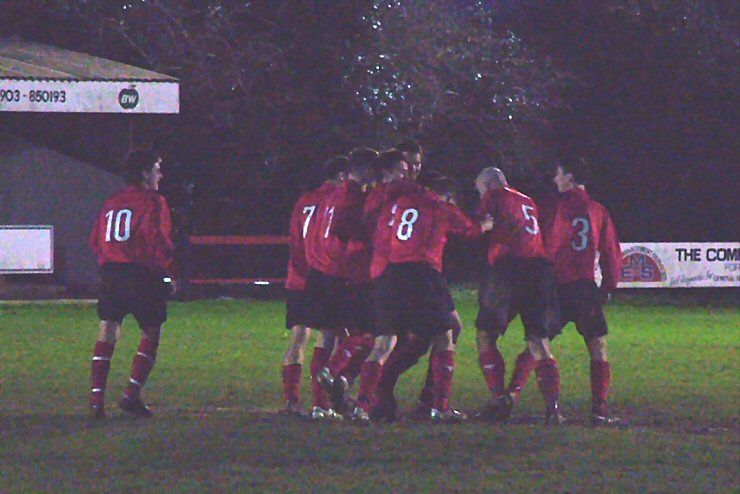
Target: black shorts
[
  {"x": 523, "y": 286},
  {"x": 412, "y": 297},
  {"x": 328, "y": 301},
  {"x": 295, "y": 308},
  {"x": 361, "y": 309},
  {"x": 581, "y": 303},
  {"x": 132, "y": 289}
]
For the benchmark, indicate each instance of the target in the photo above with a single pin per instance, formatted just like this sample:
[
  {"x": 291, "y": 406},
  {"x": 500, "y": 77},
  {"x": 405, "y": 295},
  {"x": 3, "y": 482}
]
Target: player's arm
[
  {"x": 461, "y": 225},
  {"x": 162, "y": 225},
  {"x": 93, "y": 240},
  {"x": 610, "y": 258}
]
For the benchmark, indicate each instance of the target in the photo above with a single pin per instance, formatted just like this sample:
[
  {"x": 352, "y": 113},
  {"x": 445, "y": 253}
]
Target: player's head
[
  {"x": 334, "y": 167},
  {"x": 489, "y": 179},
  {"x": 448, "y": 189},
  {"x": 570, "y": 173},
  {"x": 360, "y": 165},
  {"x": 413, "y": 153},
  {"x": 143, "y": 167},
  {"x": 391, "y": 165}
]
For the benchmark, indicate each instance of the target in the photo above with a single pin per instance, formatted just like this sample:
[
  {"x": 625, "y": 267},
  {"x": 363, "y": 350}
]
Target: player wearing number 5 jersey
[
  {"x": 132, "y": 241},
  {"x": 576, "y": 230},
  {"x": 518, "y": 280}
]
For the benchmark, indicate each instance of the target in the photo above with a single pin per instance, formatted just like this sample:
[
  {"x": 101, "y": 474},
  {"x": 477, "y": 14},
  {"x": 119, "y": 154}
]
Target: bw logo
[{"x": 128, "y": 98}]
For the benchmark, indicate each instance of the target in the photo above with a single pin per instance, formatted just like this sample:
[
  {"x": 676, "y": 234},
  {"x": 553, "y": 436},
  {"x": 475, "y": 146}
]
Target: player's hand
[
  {"x": 170, "y": 284},
  {"x": 486, "y": 224}
]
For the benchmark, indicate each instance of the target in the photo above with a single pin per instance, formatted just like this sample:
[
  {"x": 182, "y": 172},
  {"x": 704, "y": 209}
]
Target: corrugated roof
[{"x": 25, "y": 60}]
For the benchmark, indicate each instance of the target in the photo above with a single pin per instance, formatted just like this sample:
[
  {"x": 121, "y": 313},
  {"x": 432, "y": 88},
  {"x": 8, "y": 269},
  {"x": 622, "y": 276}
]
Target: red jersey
[
  {"x": 516, "y": 232},
  {"x": 301, "y": 221},
  {"x": 377, "y": 228},
  {"x": 575, "y": 229},
  {"x": 418, "y": 228},
  {"x": 135, "y": 227},
  {"x": 334, "y": 246}
]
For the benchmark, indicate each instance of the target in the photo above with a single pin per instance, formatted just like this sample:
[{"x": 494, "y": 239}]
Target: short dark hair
[
  {"x": 409, "y": 146},
  {"x": 388, "y": 160},
  {"x": 334, "y": 166},
  {"x": 361, "y": 160},
  {"x": 136, "y": 163},
  {"x": 446, "y": 187},
  {"x": 578, "y": 167}
]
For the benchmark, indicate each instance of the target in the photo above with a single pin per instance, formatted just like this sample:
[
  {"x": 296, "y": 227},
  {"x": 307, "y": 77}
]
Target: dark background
[{"x": 647, "y": 91}]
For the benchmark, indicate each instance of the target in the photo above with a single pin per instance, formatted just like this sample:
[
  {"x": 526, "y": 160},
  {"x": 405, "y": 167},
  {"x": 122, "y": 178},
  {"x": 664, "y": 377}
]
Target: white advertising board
[
  {"x": 89, "y": 96},
  {"x": 26, "y": 249},
  {"x": 680, "y": 265}
]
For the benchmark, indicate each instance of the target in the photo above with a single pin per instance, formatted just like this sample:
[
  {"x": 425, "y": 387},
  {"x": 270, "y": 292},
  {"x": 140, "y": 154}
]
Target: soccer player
[
  {"x": 132, "y": 241},
  {"x": 576, "y": 230},
  {"x": 518, "y": 280},
  {"x": 333, "y": 260},
  {"x": 301, "y": 222},
  {"x": 408, "y": 351},
  {"x": 411, "y": 292}
]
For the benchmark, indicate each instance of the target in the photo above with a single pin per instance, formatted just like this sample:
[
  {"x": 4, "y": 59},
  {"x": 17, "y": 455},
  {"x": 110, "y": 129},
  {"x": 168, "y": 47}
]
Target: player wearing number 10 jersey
[
  {"x": 577, "y": 229},
  {"x": 132, "y": 241},
  {"x": 518, "y": 280}
]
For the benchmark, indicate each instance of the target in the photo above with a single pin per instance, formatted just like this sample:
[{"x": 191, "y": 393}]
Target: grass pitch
[{"x": 217, "y": 385}]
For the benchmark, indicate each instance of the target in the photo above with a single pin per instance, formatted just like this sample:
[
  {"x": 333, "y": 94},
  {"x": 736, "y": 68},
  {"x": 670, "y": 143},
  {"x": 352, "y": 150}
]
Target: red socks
[
  {"x": 443, "y": 368},
  {"x": 369, "y": 379},
  {"x": 143, "y": 364},
  {"x": 318, "y": 362},
  {"x": 494, "y": 370},
  {"x": 600, "y": 379},
  {"x": 525, "y": 364},
  {"x": 292, "y": 382},
  {"x": 100, "y": 366},
  {"x": 350, "y": 350},
  {"x": 548, "y": 379}
]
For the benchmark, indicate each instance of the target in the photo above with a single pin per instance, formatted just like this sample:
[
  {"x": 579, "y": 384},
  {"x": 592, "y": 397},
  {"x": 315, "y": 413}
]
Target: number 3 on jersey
[
  {"x": 406, "y": 226},
  {"x": 122, "y": 229},
  {"x": 581, "y": 242}
]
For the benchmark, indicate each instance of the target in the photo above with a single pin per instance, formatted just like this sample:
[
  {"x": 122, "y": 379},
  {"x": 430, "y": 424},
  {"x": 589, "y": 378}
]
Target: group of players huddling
[{"x": 365, "y": 272}]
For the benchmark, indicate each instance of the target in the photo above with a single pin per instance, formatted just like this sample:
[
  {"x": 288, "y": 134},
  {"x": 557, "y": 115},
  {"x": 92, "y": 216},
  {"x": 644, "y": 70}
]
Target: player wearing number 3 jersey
[
  {"x": 132, "y": 241},
  {"x": 576, "y": 229}
]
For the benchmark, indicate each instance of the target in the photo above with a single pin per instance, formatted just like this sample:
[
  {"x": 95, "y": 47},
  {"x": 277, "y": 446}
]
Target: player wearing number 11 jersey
[
  {"x": 577, "y": 229},
  {"x": 132, "y": 241}
]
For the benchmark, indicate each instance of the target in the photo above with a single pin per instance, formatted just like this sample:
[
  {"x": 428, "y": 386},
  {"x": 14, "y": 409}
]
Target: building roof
[{"x": 24, "y": 60}]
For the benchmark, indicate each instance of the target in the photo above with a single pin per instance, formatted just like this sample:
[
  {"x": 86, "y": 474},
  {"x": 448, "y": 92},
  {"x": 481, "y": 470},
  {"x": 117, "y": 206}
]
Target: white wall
[{"x": 40, "y": 186}]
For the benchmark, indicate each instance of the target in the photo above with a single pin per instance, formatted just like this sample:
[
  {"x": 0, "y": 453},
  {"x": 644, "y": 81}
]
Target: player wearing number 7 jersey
[
  {"x": 576, "y": 229},
  {"x": 518, "y": 280},
  {"x": 132, "y": 241}
]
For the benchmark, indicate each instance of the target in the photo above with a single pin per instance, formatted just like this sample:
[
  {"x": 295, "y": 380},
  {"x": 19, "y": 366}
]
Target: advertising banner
[
  {"x": 680, "y": 265},
  {"x": 26, "y": 249},
  {"x": 89, "y": 96}
]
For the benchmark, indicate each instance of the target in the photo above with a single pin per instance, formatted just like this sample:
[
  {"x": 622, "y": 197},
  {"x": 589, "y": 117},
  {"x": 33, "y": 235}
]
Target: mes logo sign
[{"x": 128, "y": 98}]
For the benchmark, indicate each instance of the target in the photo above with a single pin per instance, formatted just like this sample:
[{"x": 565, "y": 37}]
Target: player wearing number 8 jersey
[
  {"x": 576, "y": 229},
  {"x": 411, "y": 292},
  {"x": 518, "y": 280},
  {"x": 132, "y": 241}
]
